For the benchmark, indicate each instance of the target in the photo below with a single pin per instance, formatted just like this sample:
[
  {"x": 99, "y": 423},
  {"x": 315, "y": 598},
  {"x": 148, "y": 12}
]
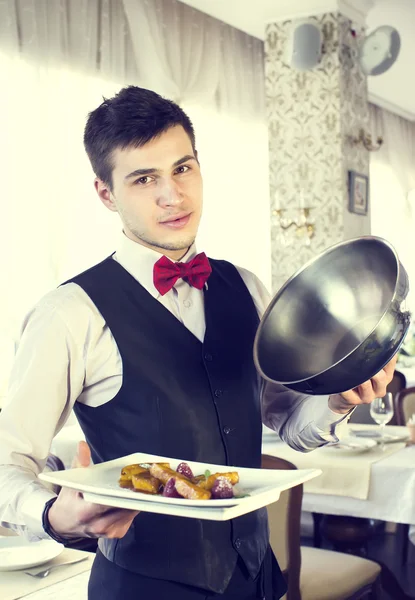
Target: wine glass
[{"x": 381, "y": 411}]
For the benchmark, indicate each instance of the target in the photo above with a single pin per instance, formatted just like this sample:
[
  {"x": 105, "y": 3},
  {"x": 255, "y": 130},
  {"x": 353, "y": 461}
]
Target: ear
[{"x": 105, "y": 194}]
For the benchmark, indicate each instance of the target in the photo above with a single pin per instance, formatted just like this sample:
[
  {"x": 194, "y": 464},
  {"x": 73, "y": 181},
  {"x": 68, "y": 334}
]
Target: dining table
[
  {"x": 67, "y": 582},
  {"x": 74, "y": 588},
  {"x": 375, "y": 483}
]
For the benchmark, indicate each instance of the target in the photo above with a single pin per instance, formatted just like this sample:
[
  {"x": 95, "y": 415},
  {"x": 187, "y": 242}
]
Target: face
[{"x": 157, "y": 191}]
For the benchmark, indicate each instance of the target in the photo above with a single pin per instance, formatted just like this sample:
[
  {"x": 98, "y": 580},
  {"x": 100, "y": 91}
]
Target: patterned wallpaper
[{"x": 311, "y": 115}]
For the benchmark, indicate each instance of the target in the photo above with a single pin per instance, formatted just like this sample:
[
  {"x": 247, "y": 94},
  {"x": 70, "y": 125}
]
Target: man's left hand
[{"x": 365, "y": 393}]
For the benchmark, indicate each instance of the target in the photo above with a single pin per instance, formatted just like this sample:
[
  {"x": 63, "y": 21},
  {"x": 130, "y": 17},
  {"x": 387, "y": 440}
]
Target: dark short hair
[{"x": 131, "y": 118}]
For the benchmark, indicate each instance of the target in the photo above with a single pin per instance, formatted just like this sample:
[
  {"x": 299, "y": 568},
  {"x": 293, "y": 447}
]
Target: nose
[{"x": 170, "y": 194}]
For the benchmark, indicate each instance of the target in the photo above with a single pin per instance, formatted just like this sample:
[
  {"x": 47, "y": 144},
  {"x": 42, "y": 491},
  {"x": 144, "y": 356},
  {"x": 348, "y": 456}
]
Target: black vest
[{"x": 184, "y": 399}]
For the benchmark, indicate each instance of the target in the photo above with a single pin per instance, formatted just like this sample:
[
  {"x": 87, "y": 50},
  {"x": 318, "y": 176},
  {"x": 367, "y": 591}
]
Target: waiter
[{"x": 152, "y": 348}]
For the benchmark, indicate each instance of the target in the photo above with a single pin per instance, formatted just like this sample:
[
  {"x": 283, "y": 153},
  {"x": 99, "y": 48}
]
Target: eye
[
  {"x": 182, "y": 169},
  {"x": 143, "y": 180}
]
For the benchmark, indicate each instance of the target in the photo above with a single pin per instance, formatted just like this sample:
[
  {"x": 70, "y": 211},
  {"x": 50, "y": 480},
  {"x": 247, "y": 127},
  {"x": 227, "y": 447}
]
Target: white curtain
[
  {"x": 57, "y": 60},
  {"x": 163, "y": 45},
  {"x": 392, "y": 187}
]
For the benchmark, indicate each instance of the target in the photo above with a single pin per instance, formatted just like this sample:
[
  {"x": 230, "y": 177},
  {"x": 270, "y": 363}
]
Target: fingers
[
  {"x": 111, "y": 525},
  {"x": 379, "y": 383},
  {"x": 365, "y": 392},
  {"x": 91, "y": 513},
  {"x": 381, "y": 380},
  {"x": 83, "y": 456},
  {"x": 376, "y": 387}
]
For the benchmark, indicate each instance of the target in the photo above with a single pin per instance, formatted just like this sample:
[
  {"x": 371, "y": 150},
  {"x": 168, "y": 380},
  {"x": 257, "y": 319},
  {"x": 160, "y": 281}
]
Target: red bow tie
[{"x": 195, "y": 272}]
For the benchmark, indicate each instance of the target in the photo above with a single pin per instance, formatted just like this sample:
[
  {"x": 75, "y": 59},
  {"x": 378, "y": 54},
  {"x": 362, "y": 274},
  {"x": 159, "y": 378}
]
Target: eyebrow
[{"x": 152, "y": 170}]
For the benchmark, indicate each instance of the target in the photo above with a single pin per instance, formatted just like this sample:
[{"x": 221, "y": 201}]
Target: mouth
[{"x": 177, "y": 221}]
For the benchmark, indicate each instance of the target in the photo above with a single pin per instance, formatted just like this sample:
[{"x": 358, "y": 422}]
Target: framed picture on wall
[{"x": 358, "y": 193}]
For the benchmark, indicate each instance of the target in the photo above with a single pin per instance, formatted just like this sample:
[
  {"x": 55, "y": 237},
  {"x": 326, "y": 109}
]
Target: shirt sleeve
[
  {"x": 302, "y": 421},
  {"x": 46, "y": 378}
]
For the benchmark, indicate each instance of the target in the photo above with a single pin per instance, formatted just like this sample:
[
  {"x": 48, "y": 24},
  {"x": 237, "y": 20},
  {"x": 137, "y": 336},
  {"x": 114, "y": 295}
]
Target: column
[{"x": 312, "y": 117}]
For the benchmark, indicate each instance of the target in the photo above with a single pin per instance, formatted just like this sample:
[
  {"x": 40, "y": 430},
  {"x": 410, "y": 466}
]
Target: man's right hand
[{"x": 70, "y": 516}]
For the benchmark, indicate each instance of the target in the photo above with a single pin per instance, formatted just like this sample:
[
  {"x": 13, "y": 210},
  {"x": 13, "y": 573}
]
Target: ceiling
[{"x": 393, "y": 90}]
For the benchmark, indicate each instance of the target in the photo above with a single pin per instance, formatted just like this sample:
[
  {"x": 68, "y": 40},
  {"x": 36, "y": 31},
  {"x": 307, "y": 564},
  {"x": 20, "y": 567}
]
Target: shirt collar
[{"x": 139, "y": 261}]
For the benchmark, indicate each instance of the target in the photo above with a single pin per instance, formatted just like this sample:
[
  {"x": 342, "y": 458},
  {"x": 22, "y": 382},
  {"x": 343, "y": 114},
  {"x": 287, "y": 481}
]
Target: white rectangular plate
[{"x": 99, "y": 484}]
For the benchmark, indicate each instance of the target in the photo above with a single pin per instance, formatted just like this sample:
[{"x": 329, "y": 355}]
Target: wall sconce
[
  {"x": 302, "y": 225},
  {"x": 365, "y": 139}
]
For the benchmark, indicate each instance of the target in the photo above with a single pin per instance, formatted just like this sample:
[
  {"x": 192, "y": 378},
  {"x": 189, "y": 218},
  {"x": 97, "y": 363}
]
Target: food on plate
[
  {"x": 169, "y": 490},
  {"x": 185, "y": 470},
  {"x": 145, "y": 482},
  {"x": 127, "y": 473},
  {"x": 164, "y": 473},
  {"x": 132, "y": 470},
  {"x": 208, "y": 482},
  {"x": 221, "y": 489},
  {"x": 191, "y": 491},
  {"x": 161, "y": 479}
]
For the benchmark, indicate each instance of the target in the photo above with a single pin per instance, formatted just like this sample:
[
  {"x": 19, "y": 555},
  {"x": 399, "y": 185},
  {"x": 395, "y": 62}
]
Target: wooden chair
[
  {"x": 404, "y": 409},
  {"x": 284, "y": 518},
  {"x": 351, "y": 532},
  {"x": 313, "y": 573},
  {"x": 405, "y": 405}
]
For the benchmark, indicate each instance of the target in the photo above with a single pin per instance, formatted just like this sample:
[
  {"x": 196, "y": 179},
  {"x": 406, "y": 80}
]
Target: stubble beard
[{"x": 183, "y": 244}]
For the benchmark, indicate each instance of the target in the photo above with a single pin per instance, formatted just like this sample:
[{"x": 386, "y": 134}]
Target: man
[{"x": 153, "y": 350}]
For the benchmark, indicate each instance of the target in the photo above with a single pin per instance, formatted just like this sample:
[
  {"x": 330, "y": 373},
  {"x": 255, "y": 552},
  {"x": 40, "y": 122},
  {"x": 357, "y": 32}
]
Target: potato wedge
[
  {"x": 189, "y": 490},
  {"x": 125, "y": 483},
  {"x": 207, "y": 483},
  {"x": 144, "y": 482},
  {"x": 130, "y": 470},
  {"x": 148, "y": 465}
]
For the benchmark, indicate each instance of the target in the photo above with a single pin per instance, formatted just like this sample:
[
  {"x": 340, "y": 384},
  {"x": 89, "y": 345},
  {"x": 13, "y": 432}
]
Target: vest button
[
  {"x": 208, "y": 357},
  {"x": 218, "y": 393},
  {"x": 238, "y": 543},
  {"x": 227, "y": 430}
]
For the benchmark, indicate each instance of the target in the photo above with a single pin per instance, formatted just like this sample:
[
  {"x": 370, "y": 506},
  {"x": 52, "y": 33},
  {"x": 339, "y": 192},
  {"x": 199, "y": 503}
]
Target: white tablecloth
[
  {"x": 70, "y": 581},
  {"x": 75, "y": 588},
  {"x": 391, "y": 493}
]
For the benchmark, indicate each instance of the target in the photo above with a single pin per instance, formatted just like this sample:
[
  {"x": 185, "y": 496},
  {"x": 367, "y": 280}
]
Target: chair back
[
  {"x": 361, "y": 414},
  {"x": 284, "y": 518},
  {"x": 397, "y": 384},
  {"x": 405, "y": 405}
]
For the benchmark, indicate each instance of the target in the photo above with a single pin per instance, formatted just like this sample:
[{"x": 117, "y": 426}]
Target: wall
[{"x": 310, "y": 116}]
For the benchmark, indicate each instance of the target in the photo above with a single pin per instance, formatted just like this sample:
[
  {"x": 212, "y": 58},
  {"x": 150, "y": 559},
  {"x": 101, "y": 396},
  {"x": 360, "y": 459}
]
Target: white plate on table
[
  {"x": 99, "y": 484},
  {"x": 375, "y": 435},
  {"x": 18, "y": 553},
  {"x": 349, "y": 445}
]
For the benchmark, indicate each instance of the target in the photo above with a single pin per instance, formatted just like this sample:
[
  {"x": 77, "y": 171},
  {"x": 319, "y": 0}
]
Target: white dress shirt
[{"x": 67, "y": 354}]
